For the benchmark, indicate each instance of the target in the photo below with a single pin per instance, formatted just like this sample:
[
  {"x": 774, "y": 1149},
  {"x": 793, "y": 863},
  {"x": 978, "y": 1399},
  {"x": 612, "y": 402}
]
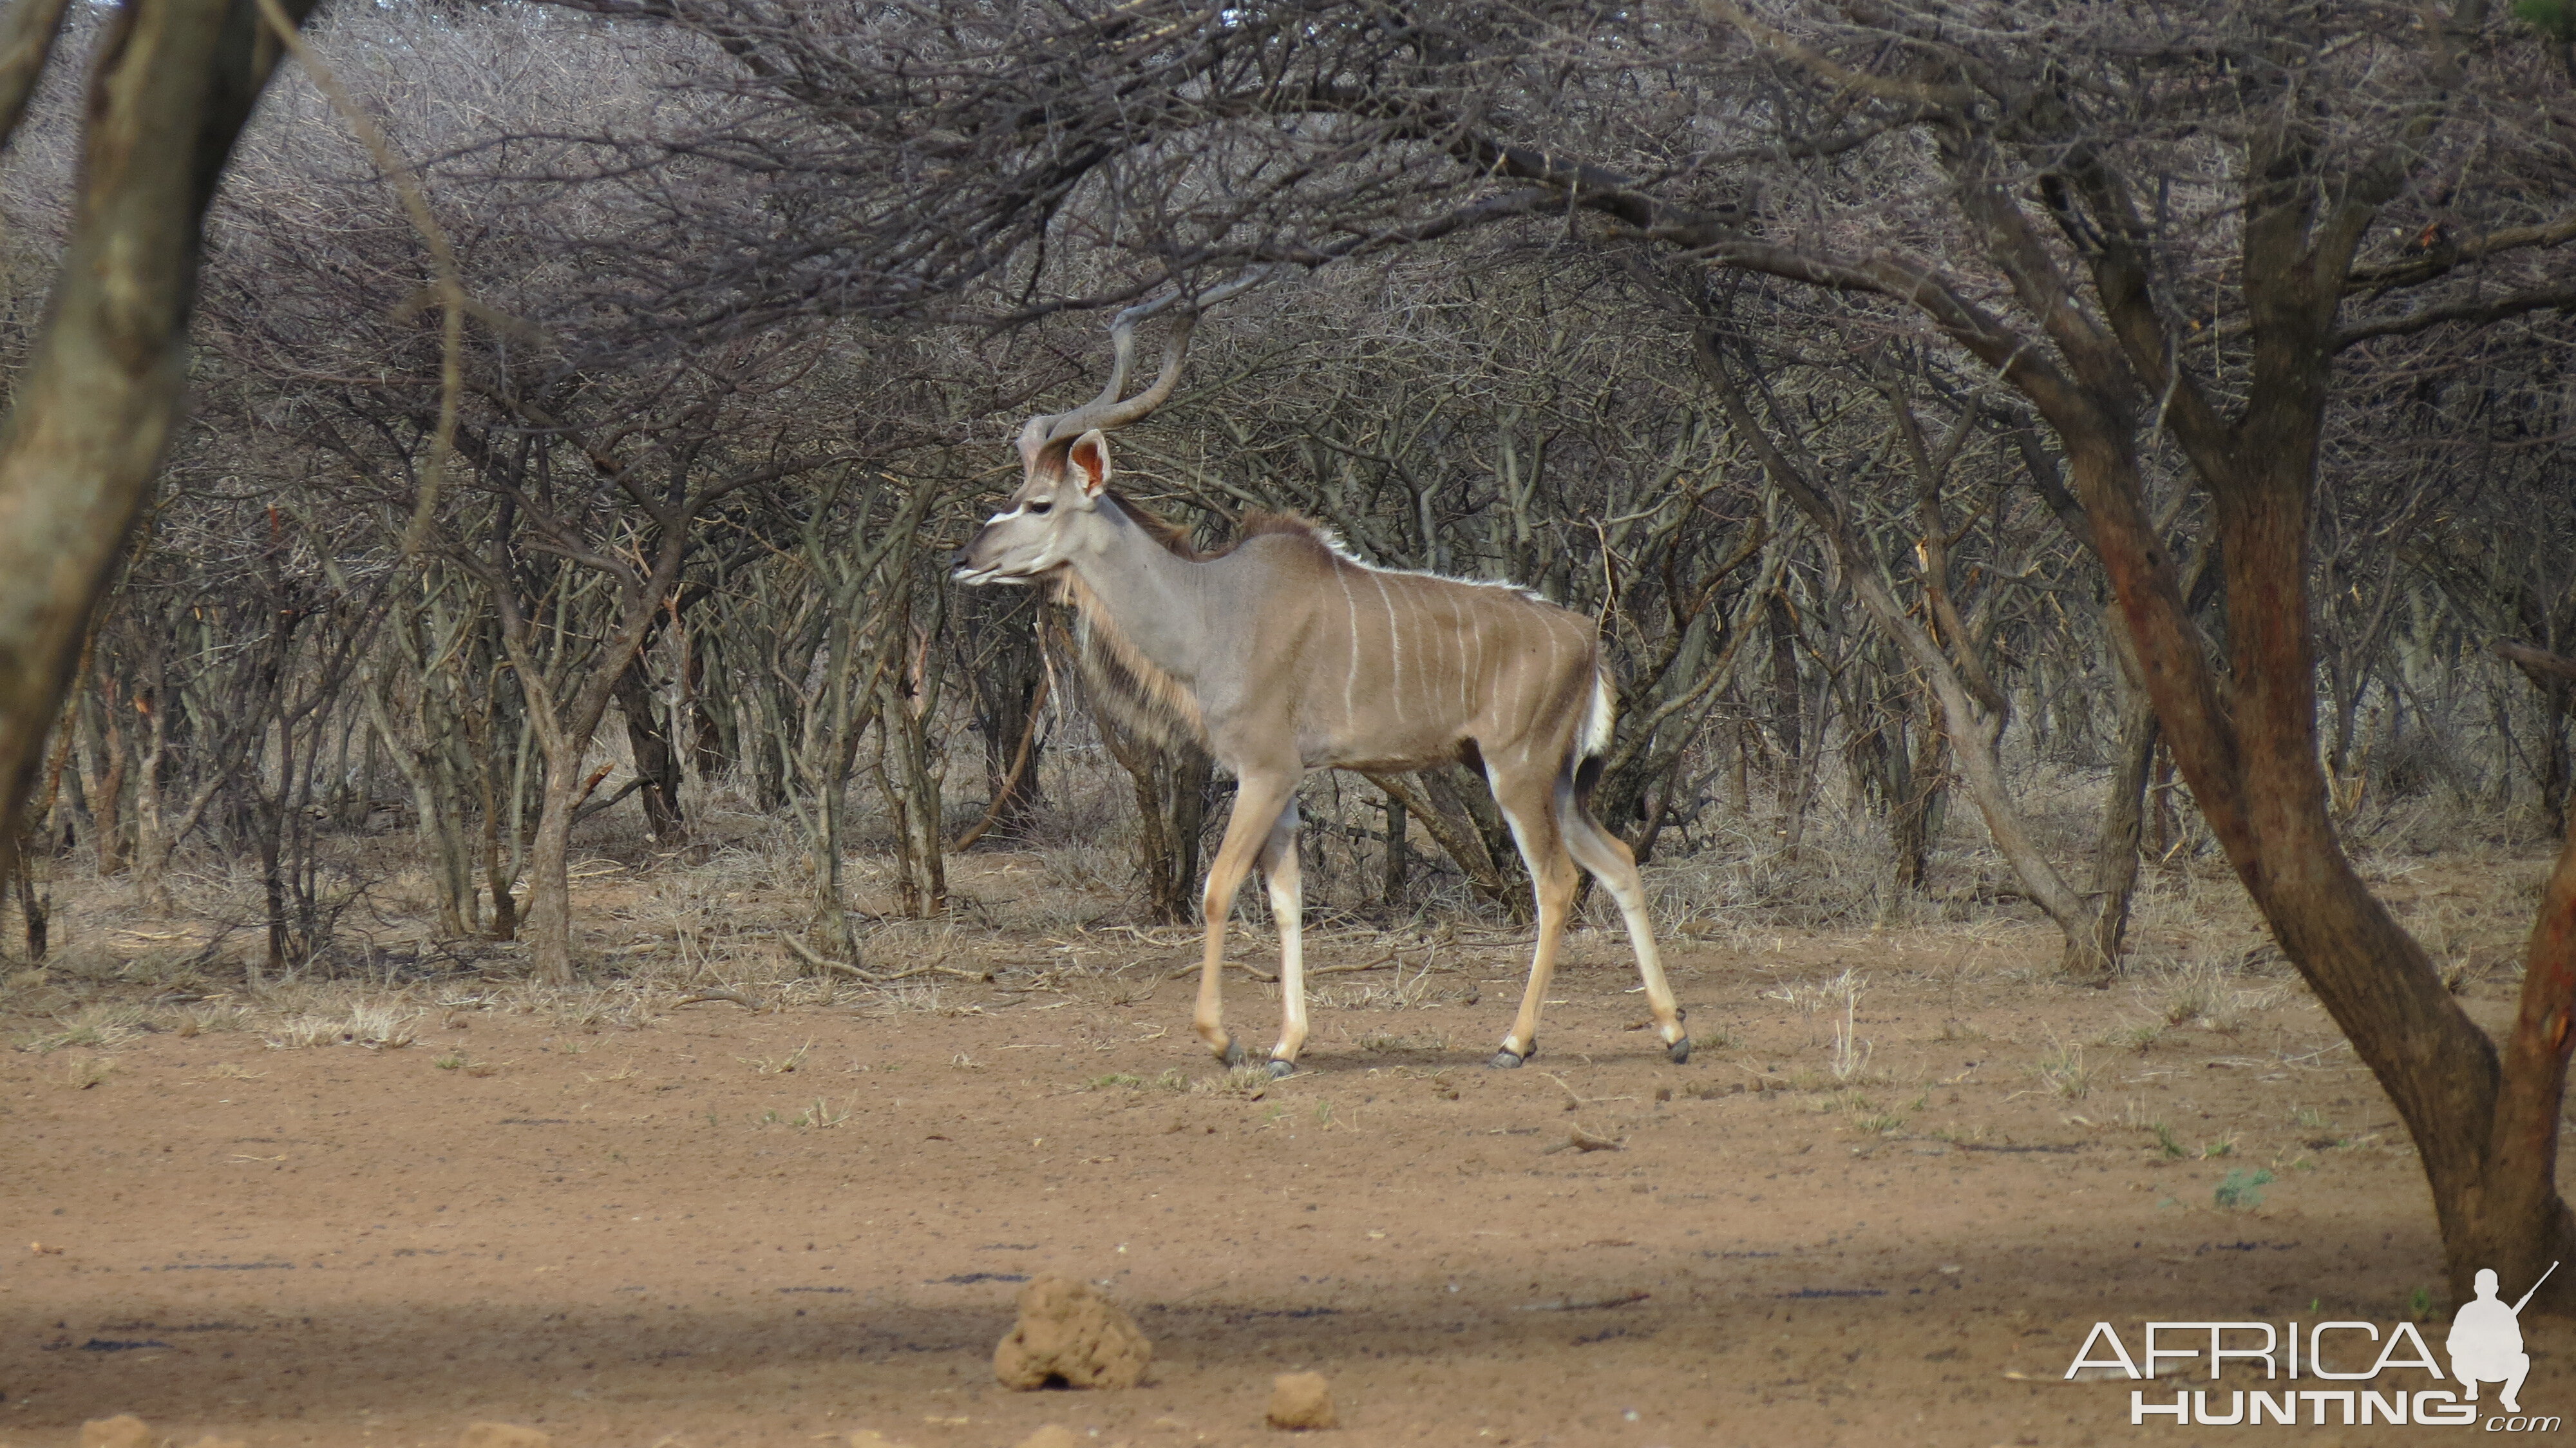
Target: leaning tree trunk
[
  {"x": 2115, "y": 854},
  {"x": 657, "y": 763},
  {"x": 548, "y": 926},
  {"x": 1437, "y": 799},
  {"x": 96, "y": 402}
]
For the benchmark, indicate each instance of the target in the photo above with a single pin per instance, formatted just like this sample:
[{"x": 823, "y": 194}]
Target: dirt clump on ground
[
  {"x": 123, "y": 1431},
  {"x": 1300, "y": 1401},
  {"x": 1070, "y": 1336}
]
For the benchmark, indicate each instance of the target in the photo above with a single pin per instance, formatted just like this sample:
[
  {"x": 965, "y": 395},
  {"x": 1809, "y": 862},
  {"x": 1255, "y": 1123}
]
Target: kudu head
[{"x": 1064, "y": 458}]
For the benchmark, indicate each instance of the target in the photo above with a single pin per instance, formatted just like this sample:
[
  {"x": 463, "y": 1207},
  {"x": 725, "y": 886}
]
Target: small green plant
[
  {"x": 2223, "y": 1146},
  {"x": 1885, "y": 1123},
  {"x": 2243, "y": 1190},
  {"x": 1103, "y": 1083},
  {"x": 1323, "y": 1113},
  {"x": 2166, "y": 1146},
  {"x": 452, "y": 1061},
  {"x": 2419, "y": 1304}
]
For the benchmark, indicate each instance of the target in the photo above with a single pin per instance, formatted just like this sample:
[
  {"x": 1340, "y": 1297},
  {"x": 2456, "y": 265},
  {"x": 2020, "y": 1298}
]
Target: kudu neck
[{"x": 1162, "y": 605}]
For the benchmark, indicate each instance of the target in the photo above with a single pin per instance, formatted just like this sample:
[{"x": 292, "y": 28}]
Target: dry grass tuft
[{"x": 376, "y": 1027}]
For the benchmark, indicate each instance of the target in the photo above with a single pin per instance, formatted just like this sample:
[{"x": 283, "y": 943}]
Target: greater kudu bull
[{"x": 1283, "y": 655}]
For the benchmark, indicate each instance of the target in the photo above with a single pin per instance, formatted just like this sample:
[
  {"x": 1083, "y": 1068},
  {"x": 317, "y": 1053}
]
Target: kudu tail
[{"x": 1594, "y": 741}]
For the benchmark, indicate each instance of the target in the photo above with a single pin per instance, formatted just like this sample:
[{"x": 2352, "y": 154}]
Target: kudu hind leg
[
  {"x": 1526, "y": 808},
  {"x": 1258, "y": 799},
  {"x": 1280, "y": 872},
  {"x": 1608, "y": 858}
]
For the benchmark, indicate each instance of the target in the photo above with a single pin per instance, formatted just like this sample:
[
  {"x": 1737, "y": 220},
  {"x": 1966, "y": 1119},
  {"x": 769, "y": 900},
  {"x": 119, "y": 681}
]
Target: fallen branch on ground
[
  {"x": 1569, "y": 1304},
  {"x": 718, "y": 994}
]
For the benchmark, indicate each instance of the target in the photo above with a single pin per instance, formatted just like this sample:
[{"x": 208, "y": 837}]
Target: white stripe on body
[
  {"x": 1351, "y": 680},
  {"x": 1394, "y": 647}
]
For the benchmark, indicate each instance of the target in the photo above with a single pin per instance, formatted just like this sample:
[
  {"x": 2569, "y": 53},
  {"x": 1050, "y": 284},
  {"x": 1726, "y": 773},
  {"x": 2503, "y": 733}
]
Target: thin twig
[
  {"x": 718, "y": 993},
  {"x": 821, "y": 962}
]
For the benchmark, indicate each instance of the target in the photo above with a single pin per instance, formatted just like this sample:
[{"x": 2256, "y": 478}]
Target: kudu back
[{"x": 1284, "y": 655}]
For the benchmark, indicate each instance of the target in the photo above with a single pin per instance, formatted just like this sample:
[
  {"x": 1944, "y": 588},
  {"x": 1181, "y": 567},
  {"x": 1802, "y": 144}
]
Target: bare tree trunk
[
  {"x": 1440, "y": 800},
  {"x": 999, "y": 629},
  {"x": 655, "y": 760},
  {"x": 1788, "y": 723},
  {"x": 1914, "y": 820},
  {"x": 2115, "y": 854},
  {"x": 1171, "y": 786},
  {"x": 1391, "y": 891},
  {"x": 107, "y": 786},
  {"x": 151, "y": 850},
  {"x": 549, "y": 919},
  {"x": 907, "y": 697}
]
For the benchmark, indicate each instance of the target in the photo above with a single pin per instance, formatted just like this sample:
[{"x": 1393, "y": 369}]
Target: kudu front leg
[
  {"x": 1258, "y": 799},
  {"x": 1288, "y": 908}
]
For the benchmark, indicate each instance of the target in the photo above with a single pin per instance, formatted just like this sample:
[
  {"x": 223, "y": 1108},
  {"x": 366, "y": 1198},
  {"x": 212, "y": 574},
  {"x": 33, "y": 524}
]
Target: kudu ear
[{"x": 1088, "y": 462}]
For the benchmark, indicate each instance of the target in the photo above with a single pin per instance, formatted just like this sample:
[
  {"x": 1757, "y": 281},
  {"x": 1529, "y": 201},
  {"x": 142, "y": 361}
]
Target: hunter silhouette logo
[
  {"x": 2360, "y": 1369},
  {"x": 2486, "y": 1341}
]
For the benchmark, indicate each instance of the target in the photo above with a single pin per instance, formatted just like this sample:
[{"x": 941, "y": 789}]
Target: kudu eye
[{"x": 1041, "y": 505}]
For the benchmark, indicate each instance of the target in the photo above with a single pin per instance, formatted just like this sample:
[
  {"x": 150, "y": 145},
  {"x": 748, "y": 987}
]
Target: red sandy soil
[{"x": 638, "y": 1237}]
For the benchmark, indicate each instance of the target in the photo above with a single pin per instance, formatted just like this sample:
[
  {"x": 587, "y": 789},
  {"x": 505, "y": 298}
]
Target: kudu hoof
[
  {"x": 1679, "y": 1051},
  {"x": 1232, "y": 1055},
  {"x": 1280, "y": 1070},
  {"x": 1508, "y": 1061}
]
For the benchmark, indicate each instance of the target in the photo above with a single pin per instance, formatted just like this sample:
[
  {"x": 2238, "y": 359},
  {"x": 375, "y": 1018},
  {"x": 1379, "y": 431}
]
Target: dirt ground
[{"x": 1904, "y": 1174}]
